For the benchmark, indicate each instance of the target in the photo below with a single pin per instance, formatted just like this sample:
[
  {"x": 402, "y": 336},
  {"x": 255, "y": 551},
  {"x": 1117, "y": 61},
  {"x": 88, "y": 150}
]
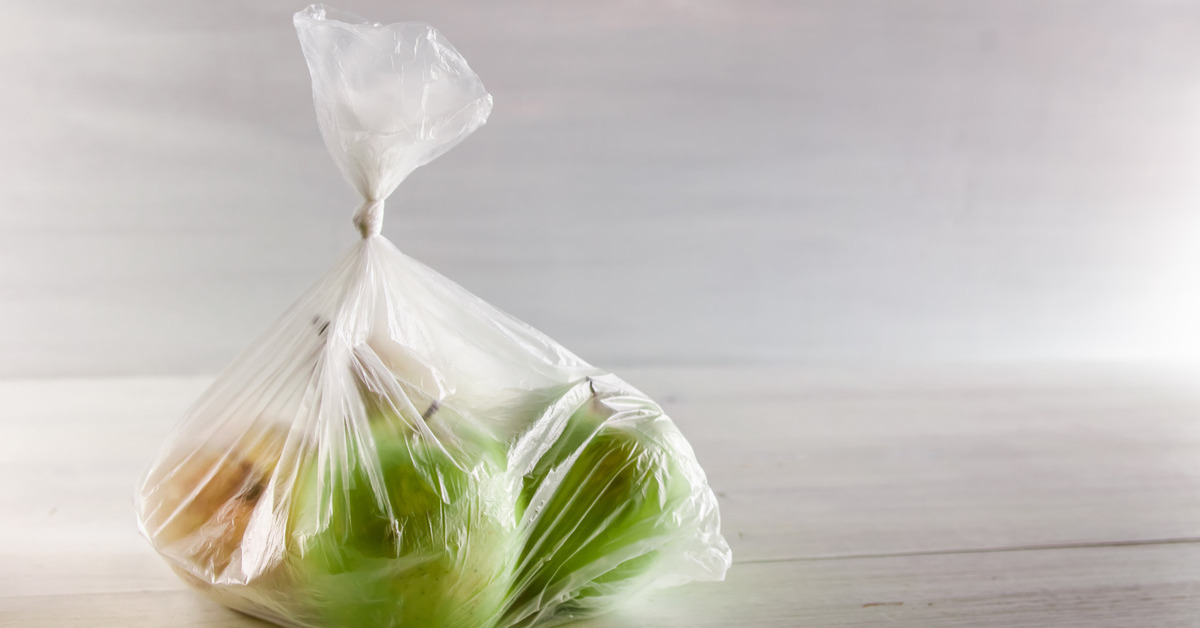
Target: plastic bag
[{"x": 396, "y": 452}]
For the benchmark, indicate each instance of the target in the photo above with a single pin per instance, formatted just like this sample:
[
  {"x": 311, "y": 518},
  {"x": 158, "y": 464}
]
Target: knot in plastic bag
[{"x": 369, "y": 218}]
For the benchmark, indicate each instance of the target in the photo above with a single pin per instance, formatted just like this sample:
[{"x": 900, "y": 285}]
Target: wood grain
[
  {"x": 761, "y": 180},
  {"x": 1154, "y": 585},
  {"x": 973, "y": 496},
  {"x": 1123, "y": 586}
]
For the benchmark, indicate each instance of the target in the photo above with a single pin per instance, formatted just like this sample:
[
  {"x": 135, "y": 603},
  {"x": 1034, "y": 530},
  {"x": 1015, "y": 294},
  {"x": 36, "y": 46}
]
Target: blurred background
[{"x": 693, "y": 181}]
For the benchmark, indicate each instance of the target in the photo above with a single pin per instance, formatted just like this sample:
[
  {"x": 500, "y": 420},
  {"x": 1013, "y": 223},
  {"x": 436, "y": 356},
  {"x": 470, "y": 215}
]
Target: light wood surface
[{"x": 968, "y": 497}]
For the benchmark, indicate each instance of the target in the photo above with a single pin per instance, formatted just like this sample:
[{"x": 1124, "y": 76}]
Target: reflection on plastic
[{"x": 396, "y": 452}]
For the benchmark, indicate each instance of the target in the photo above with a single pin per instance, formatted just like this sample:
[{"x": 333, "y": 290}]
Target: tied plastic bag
[{"x": 396, "y": 452}]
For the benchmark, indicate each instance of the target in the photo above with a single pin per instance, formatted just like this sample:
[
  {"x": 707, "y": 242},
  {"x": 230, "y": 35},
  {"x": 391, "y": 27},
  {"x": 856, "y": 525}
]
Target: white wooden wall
[{"x": 661, "y": 182}]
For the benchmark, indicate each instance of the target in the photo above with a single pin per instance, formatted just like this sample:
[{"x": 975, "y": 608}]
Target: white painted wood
[
  {"x": 850, "y": 467},
  {"x": 669, "y": 181},
  {"x": 1092, "y": 587},
  {"x": 982, "y": 497}
]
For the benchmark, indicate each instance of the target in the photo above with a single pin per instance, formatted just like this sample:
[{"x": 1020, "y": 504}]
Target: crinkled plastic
[{"x": 395, "y": 452}]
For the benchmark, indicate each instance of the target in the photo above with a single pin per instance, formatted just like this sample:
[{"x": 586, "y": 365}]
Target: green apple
[
  {"x": 406, "y": 532},
  {"x": 602, "y": 506}
]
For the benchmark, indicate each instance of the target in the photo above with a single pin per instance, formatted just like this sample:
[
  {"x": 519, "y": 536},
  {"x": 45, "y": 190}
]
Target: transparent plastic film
[
  {"x": 395, "y": 452},
  {"x": 389, "y": 99}
]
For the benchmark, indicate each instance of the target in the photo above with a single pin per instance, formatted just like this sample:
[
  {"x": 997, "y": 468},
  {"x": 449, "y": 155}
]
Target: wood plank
[
  {"x": 133, "y": 609},
  {"x": 806, "y": 463},
  {"x": 816, "y": 462},
  {"x": 1146, "y": 585},
  {"x": 1154, "y": 585},
  {"x": 972, "y": 179},
  {"x": 71, "y": 452}
]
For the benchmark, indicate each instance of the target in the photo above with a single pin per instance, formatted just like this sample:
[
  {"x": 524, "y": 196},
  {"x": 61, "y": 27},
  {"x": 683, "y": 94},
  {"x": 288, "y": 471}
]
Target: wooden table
[{"x": 949, "y": 497}]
